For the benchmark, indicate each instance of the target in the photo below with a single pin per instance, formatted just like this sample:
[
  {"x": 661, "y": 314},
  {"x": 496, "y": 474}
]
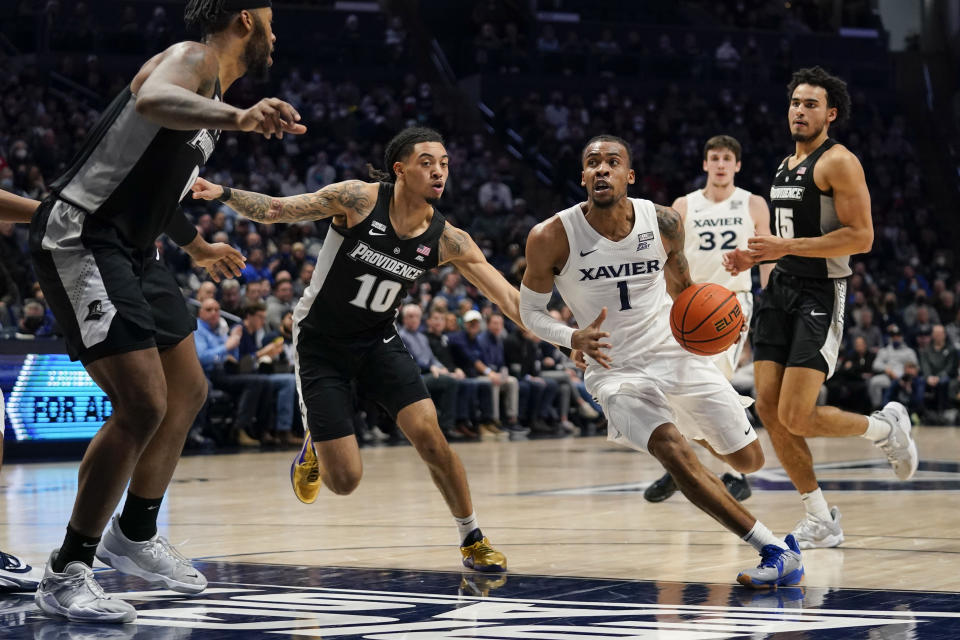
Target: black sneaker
[
  {"x": 661, "y": 489},
  {"x": 739, "y": 488}
]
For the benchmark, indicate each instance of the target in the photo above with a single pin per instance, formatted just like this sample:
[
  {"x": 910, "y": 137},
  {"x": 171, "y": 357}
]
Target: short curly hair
[{"x": 837, "y": 95}]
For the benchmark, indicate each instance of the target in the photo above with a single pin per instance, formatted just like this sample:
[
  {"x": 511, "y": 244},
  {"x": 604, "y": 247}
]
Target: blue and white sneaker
[
  {"x": 778, "y": 567},
  {"x": 16, "y": 575}
]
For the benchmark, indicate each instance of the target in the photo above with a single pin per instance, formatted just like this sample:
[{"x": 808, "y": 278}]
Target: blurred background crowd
[{"x": 516, "y": 88}]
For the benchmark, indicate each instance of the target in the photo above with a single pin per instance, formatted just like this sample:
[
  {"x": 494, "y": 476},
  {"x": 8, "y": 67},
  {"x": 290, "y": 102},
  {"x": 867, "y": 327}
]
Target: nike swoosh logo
[
  {"x": 374, "y": 233},
  {"x": 747, "y": 432},
  {"x": 89, "y": 544},
  {"x": 152, "y": 508},
  {"x": 386, "y": 340},
  {"x": 814, "y": 313},
  {"x": 586, "y": 253}
]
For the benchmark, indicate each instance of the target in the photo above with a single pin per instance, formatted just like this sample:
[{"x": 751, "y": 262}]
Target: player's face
[
  {"x": 256, "y": 53},
  {"x": 606, "y": 173},
  {"x": 425, "y": 170},
  {"x": 808, "y": 114},
  {"x": 721, "y": 165}
]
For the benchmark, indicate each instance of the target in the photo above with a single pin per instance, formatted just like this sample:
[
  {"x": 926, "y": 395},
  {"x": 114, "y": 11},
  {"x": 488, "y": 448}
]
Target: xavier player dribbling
[{"x": 626, "y": 254}]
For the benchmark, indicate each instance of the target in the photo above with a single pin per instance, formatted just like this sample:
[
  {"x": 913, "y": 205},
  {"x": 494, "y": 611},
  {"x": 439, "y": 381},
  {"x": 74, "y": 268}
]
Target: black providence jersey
[
  {"x": 132, "y": 172},
  {"x": 801, "y": 210},
  {"x": 362, "y": 274}
]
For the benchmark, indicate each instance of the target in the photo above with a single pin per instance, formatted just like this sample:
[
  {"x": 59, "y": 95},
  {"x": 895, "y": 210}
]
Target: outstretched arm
[
  {"x": 14, "y": 208},
  {"x": 677, "y": 270},
  {"x": 174, "y": 89},
  {"x": 351, "y": 201},
  {"x": 459, "y": 249}
]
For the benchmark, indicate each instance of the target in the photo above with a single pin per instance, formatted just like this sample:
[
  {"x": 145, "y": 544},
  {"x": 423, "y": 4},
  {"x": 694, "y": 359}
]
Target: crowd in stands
[{"x": 489, "y": 379}]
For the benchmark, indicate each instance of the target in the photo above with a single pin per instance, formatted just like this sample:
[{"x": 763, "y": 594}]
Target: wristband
[{"x": 227, "y": 192}]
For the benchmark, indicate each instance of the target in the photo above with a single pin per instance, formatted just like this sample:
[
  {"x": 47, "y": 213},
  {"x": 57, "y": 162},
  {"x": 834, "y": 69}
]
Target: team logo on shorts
[{"x": 94, "y": 311}]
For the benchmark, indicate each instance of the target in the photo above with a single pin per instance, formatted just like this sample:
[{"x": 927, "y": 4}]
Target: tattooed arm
[
  {"x": 459, "y": 249},
  {"x": 676, "y": 269},
  {"x": 347, "y": 202}
]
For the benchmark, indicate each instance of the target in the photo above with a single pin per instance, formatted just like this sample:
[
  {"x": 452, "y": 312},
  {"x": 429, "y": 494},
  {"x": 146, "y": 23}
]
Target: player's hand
[
  {"x": 589, "y": 339},
  {"x": 737, "y": 261},
  {"x": 762, "y": 248},
  {"x": 220, "y": 260},
  {"x": 205, "y": 190},
  {"x": 271, "y": 117},
  {"x": 744, "y": 330}
]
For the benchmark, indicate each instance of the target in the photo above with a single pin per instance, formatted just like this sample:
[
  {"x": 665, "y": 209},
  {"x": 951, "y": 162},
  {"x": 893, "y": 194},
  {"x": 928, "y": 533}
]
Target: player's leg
[
  {"x": 131, "y": 543},
  {"x": 135, "y": 385},
  {"x": 330, "y": 455},
  {"x": 391, "y": 376},
  {"x": 631, "y": 419},
  {"x": 817, "y": 328},
  {"x": 820, "y": 526}
]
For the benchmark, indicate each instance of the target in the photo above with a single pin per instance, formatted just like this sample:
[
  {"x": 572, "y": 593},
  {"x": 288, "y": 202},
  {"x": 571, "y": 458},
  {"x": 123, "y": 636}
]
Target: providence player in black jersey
[
  {"x": 92, "y": 244},
  {"x": 383, "y": 237},
  {"x": 821, "y": 215}
]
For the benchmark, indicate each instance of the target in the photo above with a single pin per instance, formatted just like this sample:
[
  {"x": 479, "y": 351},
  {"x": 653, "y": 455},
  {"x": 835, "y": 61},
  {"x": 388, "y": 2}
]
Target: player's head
[
  {"x": 607, "y": 170},
  {"x": 721, "y": 160},
  {"x": 417, "y": 161},
  {"x": 817, "y": 100},
  {"x": 249, "y": 20}
]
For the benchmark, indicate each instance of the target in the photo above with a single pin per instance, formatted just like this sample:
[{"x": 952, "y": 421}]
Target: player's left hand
[
  {"x": 737, "y": 261},
  {"x": 744, "y": 330},
  {"x": 205, "y": 190},
  {"x": 763, "y": 248},
  {"x": 220, "y": 260}
]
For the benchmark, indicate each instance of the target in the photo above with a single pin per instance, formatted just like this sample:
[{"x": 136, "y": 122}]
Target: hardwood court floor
[{"x": 570, "y": 507}]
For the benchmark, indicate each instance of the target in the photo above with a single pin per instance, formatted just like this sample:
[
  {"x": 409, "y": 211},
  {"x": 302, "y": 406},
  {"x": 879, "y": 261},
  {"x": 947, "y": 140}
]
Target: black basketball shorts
[
  {"x": 799, "y": 321},
  {"x": 107, "y": 296},
  {"x": 381, "y": 367}
]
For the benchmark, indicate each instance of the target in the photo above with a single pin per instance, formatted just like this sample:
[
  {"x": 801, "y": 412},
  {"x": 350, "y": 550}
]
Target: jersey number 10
[{"x": 382, "y": 298}]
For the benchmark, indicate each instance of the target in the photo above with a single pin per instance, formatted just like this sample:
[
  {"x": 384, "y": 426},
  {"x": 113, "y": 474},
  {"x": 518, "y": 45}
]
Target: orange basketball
[{"x": 706, "y": 319}]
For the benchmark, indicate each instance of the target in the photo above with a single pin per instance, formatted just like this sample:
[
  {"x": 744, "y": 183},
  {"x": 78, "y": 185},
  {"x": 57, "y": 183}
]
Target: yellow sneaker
[
  {"x": 305, "y": 473},
  {"x": 480, "y": 556}
]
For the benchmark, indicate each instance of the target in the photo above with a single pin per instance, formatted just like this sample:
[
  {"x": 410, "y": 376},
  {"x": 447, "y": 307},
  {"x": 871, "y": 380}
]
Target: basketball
[{"x": 706, "y": 319}]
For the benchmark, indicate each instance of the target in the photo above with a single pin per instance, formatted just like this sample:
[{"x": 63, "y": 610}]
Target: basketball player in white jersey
[
  {"x": 626, "y": 255},
  {"x": 716, "y": 219}
]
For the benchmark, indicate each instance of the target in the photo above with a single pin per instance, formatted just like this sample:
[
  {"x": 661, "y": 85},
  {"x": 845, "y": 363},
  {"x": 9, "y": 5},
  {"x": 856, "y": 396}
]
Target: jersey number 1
[{"x": 382, "y": 298}]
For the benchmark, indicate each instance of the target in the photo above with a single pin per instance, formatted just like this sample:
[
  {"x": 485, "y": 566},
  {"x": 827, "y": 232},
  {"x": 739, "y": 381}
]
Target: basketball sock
[
  {"x": 816, "y": 505},
  {"x": 466, "y": 526},
  {"x": 760, "y": 536},
  {"x": 138, "y": 520},
  {"x": 877, "y": 429},
  {"x": 76, "y": 546}
]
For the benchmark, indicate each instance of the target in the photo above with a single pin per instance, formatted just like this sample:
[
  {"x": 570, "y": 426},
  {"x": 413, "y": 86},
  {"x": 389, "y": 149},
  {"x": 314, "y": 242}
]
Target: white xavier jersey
[
  {"x": 711, "y": 230},
  {"x": 626, "y": 277}
]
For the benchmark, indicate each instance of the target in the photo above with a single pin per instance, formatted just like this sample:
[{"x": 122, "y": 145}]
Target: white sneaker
[
  {"x": 16, "y": 575},
  {"x": 154, "y": 560},
  {"x": 814, "y": 533},
  {"x": 75, "y": 595},
  {"x": 899, "y": 446}
]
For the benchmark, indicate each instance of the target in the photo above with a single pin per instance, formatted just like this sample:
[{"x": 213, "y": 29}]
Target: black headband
[{"x": 240, "y": 5}]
